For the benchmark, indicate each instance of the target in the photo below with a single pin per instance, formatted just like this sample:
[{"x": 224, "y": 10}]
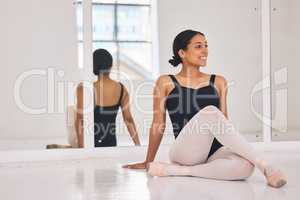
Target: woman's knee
[
  {"x": 210, "y": 111},
  {"x": 210, "y": 108},
  {"x": 183, "y": 158},
  {"x": 245, "y": 168}
]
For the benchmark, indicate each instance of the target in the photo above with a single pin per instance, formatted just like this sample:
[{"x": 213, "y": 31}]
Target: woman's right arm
[
  {"x": 79, "y": 116},
  {"x": 128, "y": 119},
  {"x": 158, "y": 123}
]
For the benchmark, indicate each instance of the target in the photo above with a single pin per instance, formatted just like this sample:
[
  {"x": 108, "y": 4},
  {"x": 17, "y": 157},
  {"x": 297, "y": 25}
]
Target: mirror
[
  {"x": 284, "y": 59},
  {"x": 38, "y": 54}
]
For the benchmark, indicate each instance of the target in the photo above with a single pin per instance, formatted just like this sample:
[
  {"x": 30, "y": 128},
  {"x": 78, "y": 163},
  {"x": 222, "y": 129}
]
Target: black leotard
[
  {"x": 183, "y": 103},
  {"x": 105, "y": 123}
]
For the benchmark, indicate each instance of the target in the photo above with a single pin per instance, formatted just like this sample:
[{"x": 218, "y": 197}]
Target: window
[{"x": 124, "y": 28}]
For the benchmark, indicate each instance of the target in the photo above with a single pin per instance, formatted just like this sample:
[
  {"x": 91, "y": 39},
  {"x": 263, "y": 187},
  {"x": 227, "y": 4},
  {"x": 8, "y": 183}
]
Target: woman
[
  {"x": 109, "y": 95},
  {"x": 207, "y": 145}
]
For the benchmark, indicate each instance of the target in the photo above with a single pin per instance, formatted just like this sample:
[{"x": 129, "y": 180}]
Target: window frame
[{"x": 153, "y": 42}]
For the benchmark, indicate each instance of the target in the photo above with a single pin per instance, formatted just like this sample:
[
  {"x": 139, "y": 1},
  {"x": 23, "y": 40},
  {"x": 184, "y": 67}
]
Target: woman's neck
[
  {"x": 103, "y": 77},
  {"x": 189, "y": 71}
]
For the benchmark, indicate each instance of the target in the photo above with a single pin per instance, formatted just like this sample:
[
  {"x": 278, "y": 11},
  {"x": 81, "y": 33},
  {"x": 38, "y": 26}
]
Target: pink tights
[{"x": 234, "y": 161}]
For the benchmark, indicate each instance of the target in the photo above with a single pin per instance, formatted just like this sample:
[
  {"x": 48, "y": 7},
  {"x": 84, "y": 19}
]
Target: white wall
[
  {"x": 233, "y": 30},
  {"x": 35, "y": 34}
]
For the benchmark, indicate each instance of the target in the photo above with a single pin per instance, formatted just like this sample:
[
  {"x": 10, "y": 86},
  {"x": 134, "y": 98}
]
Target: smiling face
[{"x": 196, "y": 51}]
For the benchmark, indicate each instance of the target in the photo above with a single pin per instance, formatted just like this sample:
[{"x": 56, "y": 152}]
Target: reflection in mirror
[{"x": 125, "y": 29}]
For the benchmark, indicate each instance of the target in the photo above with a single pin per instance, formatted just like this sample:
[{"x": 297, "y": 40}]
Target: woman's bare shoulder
[
  {"x": 164, "y": 83},
  {"x": 220, "y": 82},
  {"x": 79, "y": 88},
  {"x": 163, "y": 78}
]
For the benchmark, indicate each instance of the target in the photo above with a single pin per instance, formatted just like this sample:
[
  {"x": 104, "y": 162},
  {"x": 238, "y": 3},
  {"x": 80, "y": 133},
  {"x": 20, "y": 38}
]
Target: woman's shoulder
[
  {"x": 163, "y": 79},
  {"x": 109, "y": 82},
  {"x": 220, "y": 79},
  {"x": 221, "y": 82},
  {"x": 79, "y": 86},
  {"x": 116, "y": 83},
  {"x": 164, "y": 83}
]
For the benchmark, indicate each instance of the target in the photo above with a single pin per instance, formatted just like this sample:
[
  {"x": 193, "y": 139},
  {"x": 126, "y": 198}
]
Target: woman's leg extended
[
  {"x": 195, "y": 139},
  {"x": 222, "y": 165},
  {"x": 199, "y": 132},
  {"x": 193, "y": 143}
]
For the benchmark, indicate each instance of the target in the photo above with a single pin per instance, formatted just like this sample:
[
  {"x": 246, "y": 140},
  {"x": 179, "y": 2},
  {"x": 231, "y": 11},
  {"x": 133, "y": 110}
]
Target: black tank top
[
  {"x": 105, "y": 123},
  {"x": 183, "y": 103}
]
